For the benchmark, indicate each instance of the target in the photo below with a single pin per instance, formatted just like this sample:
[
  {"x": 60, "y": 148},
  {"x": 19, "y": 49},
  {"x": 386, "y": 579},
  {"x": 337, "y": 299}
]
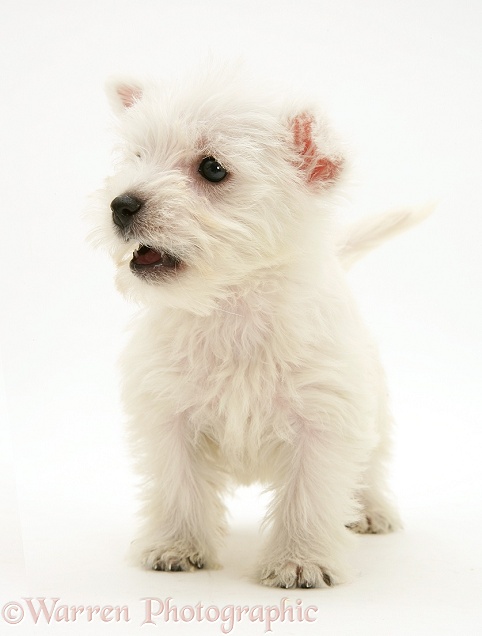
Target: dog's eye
[{"x": 212, "y": 170}]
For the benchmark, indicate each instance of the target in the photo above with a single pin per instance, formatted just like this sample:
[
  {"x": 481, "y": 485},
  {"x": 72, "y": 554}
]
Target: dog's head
[{"x": 213, "y": 188}]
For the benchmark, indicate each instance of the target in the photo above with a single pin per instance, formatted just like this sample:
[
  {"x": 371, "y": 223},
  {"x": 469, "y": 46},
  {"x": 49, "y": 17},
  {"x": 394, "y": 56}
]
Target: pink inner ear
[
  {"x": 129, "y": 95},
  {"x": 316, "y": 168},
  {"x": 324, "y": 170}
]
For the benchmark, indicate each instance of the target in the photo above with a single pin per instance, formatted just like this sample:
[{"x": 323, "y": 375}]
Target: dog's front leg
[
  {"x": 316, "y": 475},
  {"x": 183, "y": 511}
]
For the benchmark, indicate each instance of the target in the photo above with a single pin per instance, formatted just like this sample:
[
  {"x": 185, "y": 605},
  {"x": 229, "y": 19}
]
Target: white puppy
[{"x": 248, "y": 360}]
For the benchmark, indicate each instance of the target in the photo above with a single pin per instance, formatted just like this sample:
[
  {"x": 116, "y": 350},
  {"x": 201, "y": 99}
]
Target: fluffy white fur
[{"x": 249, "y": 360}]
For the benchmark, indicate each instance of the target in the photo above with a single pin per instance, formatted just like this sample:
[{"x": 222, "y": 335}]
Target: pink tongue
[{"x": 146, "y": 256}]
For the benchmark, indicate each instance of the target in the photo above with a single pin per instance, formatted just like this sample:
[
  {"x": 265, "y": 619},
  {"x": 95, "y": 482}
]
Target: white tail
[{"x": 362, "y": 236}]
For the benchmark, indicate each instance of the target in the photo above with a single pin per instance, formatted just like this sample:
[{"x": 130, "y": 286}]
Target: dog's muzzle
[
  {"x": 150, "y": 263},
  {"x": 123, "y": 209}
]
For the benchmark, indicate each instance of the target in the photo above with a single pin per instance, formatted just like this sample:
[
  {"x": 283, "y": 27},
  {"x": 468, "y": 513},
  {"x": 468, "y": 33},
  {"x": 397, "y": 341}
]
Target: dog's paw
[
  {"x": 291, "y": 575},
  {"x": 376, "y": 523},
  {"x": 170, "y": 560}
]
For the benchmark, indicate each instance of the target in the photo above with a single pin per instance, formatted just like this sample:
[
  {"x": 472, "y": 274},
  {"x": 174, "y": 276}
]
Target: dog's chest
[{"x": 234, "y": 377}]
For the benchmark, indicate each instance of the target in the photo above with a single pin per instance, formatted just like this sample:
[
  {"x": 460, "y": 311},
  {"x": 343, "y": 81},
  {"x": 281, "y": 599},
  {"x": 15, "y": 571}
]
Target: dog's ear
[
  {"x": 319, "y": 160},
  {"x": 123, "y": 94}
]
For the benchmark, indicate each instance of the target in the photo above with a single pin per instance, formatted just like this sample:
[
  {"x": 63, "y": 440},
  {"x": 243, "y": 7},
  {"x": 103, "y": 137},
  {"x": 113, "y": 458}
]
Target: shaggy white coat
[{"x": 250, "y": 362}]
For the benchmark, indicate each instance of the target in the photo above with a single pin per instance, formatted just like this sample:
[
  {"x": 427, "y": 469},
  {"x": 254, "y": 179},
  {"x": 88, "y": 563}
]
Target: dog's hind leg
[{"x": 379, "y": 511}]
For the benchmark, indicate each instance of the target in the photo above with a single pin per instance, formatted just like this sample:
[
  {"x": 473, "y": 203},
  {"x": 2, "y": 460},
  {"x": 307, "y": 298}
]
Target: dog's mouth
[{"x": 146, "y": 259}]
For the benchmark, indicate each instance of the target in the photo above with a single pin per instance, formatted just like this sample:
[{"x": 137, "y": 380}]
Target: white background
[{"x": 402, "y": 81}]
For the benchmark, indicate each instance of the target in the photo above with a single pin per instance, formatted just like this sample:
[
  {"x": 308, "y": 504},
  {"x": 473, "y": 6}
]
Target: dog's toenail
[{"x": 327, "y": 579}]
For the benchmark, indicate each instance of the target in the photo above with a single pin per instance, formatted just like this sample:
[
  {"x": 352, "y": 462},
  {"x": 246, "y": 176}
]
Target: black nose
[{"x": 123, "y": 209}]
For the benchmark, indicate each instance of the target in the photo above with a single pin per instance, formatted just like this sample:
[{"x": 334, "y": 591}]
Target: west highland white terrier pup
[{"x": 248, "y": 360}]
